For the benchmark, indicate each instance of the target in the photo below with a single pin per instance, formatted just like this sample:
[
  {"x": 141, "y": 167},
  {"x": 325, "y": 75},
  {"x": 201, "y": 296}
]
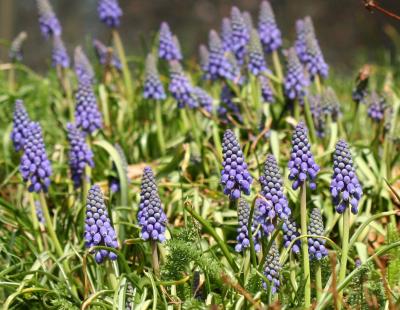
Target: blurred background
[{"x": 348, "y": 33}]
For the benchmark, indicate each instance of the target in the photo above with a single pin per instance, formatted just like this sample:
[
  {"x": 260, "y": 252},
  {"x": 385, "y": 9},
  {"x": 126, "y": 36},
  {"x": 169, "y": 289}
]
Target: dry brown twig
[{"x": 371, "y": 5}]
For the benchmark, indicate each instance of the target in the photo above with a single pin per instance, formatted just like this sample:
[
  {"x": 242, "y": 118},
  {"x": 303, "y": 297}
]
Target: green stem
[
  {"x": 160, "y": 127},
  {"x": 318, "y": 84},
  {"x": 354, "y": 128},
  {"x": 35, "y": 222},
  {"x": 154, "y": 258},
  {"x": 11, "y": 79},
  {"x": 104, "y": 104},
  {"x": 250, "y": 234},
  {"x": 125, "y": 68},
  {"x": 293, "y": 274},
  {"x": 296, "y": 110},
  {"x": 277, "y": 65},
  {"x": 49, "y": 224},
  {"x": 345, "y": 249},
  {"x": 318, "y": 281},
  {"x": 217, "y": 238},
  {"x": 304, "y": 245}
]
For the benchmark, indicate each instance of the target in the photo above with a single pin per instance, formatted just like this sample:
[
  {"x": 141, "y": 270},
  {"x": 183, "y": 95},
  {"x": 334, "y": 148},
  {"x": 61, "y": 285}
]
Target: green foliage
[{"x": 393, "y": 267}]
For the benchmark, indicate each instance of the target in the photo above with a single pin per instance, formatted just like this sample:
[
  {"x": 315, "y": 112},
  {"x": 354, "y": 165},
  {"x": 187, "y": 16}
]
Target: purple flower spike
[
  {"x": 376, "y": 107},
  {"x": 235, "y": 178},
  {"x": 228, "y": 106},
  {"x": 35, "y": 166},
  {"x": 313, "y": 59},
  {"x": 180, "y": 87},
  {"x": 248, "y": 21},
  {"x": 240, "y": 35},
  {"x": 168, "y": 49},
  {"x": 272, "y": 269},
  {"x": 345, "y": 188},
  {"x": 83, "y": 68},
  {"x": 218, "y": 64},
  {"x": 318, "y": 113},
  {"x": 266, "y": 90},
  {"x": 48, "y": 22},
  {"x": 21, "y": 123},
  {"x": 316, "y": 246},
  {"x": 226, "y": 34},
  {"x": 304, "y": 28},
  {"x": 302, "y": 165},
  {"x": 203, "y": 98},
  {"x": 109, "y": 12},
  {"x": 87, "y": 115},
  {"x": 98, "y": 228},
  {"x": 151, "y": 216},
  {"x": 80, "y": 154},
  {"x": 204, "y": 56},
  {"x": 265, "y": 215},
  {"x": 295, "y": 81},
  {"x": 242, "y": 238},
  {"x": 153, "y": 88},
  {"x": 114, "y": 182},
  {"x": 59, "y": 54},
  {"x": 331, "y": 104},
  {"x": 272, "y": 187},
  {"x": 290, "y": 233},
  {"x": 15, "y": 54},
  {"x": 105, "y": 57},
  {"x": 270, "y": 35},
  {"x": 39, "y": 212},
  {"x": 256, "y": 64}
]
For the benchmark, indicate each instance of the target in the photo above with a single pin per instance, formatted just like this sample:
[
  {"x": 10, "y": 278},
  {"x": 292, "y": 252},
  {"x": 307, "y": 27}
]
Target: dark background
[{"x": 348, "y": 33}]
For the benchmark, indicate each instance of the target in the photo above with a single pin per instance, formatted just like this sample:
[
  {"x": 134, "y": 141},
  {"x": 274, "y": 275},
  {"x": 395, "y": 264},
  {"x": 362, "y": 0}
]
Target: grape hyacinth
[
  {"x": 153, "y": 88},
  {"x": 345, "y": 187},
  {"x": 304, "y": 29},
  {"x": 226, "y": 34},
  {"x": 168, "y": 50},
  {"x": 80, "y": 154},
  {"x": 203, "y": 98},
  {"x": 316, "y": 246},
  {"x": 270, "y": 35},
  {"x": 181, "y": 88},
  {"x": 295, "y": 80},
  {"x": 151, "y": 216},
  {"x": 313, "y": 59},
  {"x": 376, "y": 107},
  {"x": 248, "y": 21},
  {"x": 272, "y": 187},
  {"x": 317, "y": 113},
  {"x": 82, "y": 66},
  {"x": 256, "y": 62},
  {"x": 265, "y": 215},
  {"x": 240, "y": 36},
  {"x": 35, "y": 166},
  {"x": 204, "y": 55},
  {"x": 39, "y": 212},
  {"x": 21, "y": 123},
  {"x": 272, "y": 269},
  {"x": 228, "y": 106},
  {"x": 266, "y": 91},
  {"x": 87, "y": 115},
  {"x": 330, "y": 104},
  {"x": 290, "y": 233},
  {"x": 114, "y": 181},
  {"x": 235, "y": 178},
  {"x": 98, "y": 228},
  {"x": 302, "y": 165},
  {"x": 15, "y": 54},
  {"x": 48, "y": 22},
  {"x": 109, "y": 12},
  {"x": 105, "y": 57},
  {"x": 59, "y": 54},
  {"x": 218, "y": 64},
  {"x": 243, "y": 241}
]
